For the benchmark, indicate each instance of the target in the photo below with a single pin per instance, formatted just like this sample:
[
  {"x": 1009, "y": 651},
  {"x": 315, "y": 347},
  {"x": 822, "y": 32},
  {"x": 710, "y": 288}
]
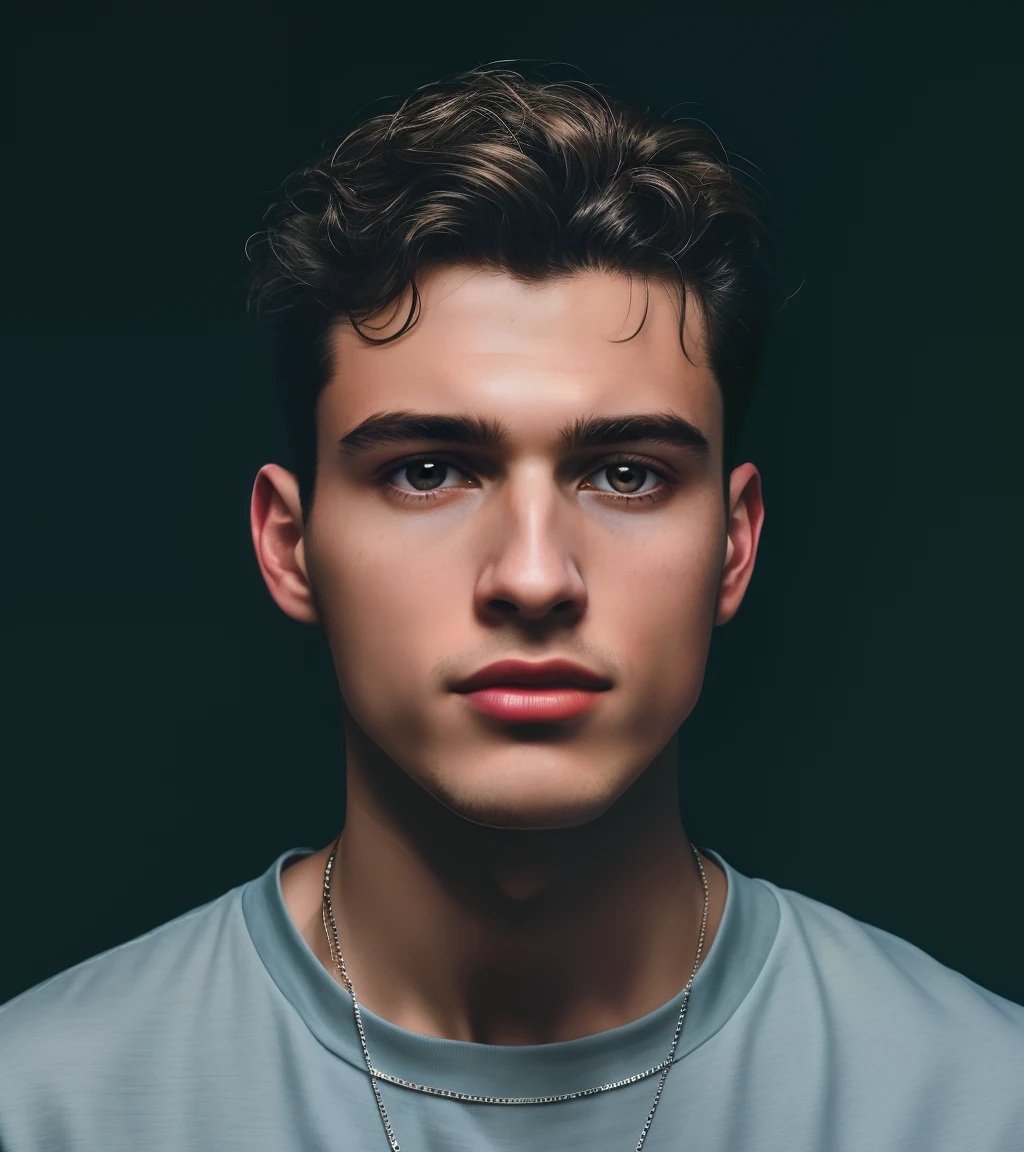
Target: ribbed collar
[{"x": 745, "y": 935}]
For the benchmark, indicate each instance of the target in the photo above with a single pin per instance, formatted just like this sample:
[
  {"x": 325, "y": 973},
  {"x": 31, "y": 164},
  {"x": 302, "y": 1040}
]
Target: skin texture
[{"x": 498, "y": 882}]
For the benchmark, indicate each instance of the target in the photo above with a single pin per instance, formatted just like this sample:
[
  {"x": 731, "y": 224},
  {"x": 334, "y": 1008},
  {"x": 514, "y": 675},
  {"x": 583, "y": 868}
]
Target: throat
[
  {"x": 544, "y": 959},
  {"x": 513, "y": 937},
  {"x": 523, "y": 886}
]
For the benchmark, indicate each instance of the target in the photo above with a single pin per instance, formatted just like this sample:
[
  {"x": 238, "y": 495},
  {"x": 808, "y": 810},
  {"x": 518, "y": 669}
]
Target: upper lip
[{"x": 547, "y": 672}]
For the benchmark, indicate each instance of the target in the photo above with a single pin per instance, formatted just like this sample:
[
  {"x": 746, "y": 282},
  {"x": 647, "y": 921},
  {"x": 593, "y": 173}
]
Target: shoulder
[
  {"x": 71, "y": 1036},
  {"x": 888, "y": 1011},
  {"x": 128, "y": 974},
  {"x": 849, "y": 955}
]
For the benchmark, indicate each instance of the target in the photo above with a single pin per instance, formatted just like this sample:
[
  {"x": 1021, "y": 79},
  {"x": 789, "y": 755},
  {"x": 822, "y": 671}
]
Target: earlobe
[{"x": 275, "y": 517}]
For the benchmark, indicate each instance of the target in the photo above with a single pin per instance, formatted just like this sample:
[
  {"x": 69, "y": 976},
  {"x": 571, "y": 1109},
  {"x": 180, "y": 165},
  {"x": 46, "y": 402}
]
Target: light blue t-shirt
[{"x": 221, "y": 1030}]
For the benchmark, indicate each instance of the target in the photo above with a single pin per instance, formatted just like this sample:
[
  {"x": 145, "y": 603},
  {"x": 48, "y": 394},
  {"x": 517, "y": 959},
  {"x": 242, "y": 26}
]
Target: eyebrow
[
  {"x": 485, "y": 432},
  {"x": 393, "y": 427},
  {"x": 658, "y": 427}
]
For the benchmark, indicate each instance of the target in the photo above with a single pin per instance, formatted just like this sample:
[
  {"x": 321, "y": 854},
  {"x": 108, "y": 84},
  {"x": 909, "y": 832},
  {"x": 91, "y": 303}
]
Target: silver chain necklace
[{"x": 331, "y": 929}]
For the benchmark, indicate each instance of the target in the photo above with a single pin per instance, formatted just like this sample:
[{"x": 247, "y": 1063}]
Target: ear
[
  {"x": 275, "y": 517},
  {"x": 746, "y": 515}
]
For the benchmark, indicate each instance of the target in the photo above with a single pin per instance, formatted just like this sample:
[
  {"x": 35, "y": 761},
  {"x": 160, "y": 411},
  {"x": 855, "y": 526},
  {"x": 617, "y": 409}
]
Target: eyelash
[{"x": 618, "y": 497}]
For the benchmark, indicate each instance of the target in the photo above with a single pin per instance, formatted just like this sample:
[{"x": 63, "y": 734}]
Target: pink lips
[{"x": 519, "y": 690}]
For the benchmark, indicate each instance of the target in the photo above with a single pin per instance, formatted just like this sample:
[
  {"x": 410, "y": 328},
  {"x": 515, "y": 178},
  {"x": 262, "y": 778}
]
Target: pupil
[
  {"x": 626, "y": 477},
  {"x": 426, "y": 474}
]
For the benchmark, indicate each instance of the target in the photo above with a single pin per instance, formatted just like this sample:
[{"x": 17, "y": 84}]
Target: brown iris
[{"x": 626, "y": 478}]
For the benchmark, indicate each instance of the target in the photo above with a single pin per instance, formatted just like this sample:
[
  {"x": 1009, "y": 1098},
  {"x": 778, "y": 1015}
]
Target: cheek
[
  {"x": 386, "y": 603},
  {"x": 662, "y": 600}
]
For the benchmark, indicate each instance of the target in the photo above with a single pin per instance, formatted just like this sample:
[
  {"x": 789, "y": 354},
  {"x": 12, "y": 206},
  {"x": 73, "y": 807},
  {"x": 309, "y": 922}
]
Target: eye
[
  {"x": 625, "y": 478},
  {"x": 425, "y": 475}
]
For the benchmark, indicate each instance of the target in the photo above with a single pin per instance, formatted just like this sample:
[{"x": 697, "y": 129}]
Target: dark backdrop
[{"x": 170, "y": 732}]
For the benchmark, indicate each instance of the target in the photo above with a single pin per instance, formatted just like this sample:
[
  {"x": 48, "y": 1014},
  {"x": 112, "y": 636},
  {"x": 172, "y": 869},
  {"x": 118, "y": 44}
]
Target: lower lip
[{"x": 532, "y": 705}]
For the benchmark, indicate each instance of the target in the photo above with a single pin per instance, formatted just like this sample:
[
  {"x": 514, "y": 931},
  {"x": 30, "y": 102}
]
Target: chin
[{"x": 526, "y": 804}]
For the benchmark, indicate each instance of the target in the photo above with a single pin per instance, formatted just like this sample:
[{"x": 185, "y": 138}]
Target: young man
[{"x": 518, "y": 327}]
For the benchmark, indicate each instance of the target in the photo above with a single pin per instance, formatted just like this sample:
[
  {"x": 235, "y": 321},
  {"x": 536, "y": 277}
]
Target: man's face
[{"x": 431, "y": 558}]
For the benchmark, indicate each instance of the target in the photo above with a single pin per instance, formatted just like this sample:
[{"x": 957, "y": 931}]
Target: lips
[{"x": 533, "y": 692}]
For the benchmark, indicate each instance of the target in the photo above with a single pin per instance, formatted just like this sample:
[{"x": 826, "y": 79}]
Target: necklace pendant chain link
[{"x": 331, "y": 931}]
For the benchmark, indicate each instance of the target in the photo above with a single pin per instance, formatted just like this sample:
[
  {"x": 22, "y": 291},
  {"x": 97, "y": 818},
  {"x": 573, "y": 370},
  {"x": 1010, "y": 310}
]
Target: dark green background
[{"x": 170, "y": 732}]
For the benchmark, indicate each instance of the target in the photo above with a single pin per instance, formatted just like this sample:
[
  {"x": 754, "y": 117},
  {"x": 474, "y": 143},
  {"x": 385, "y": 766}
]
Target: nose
[{"x": 530, "y": 571}]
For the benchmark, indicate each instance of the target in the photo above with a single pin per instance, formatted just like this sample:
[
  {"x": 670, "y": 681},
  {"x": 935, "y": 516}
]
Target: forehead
[{"x": 532, "y": 353}]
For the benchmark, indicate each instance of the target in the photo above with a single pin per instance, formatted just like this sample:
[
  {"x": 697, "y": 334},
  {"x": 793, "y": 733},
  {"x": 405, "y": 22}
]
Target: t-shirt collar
[{"x": 730, "y": 967}]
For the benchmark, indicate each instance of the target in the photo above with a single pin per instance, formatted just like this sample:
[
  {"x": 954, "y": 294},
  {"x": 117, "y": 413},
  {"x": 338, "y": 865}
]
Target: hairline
[{"x": 683, "y": 293}]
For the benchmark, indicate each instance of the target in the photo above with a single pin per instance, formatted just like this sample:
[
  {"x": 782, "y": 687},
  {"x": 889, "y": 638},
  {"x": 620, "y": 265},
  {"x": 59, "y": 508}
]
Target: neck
[{"x": 498, "y": 936}]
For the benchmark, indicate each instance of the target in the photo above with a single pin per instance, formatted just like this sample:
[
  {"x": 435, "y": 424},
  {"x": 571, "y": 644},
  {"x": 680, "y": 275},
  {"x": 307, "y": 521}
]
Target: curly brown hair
[{"x": 531, "y": 177}]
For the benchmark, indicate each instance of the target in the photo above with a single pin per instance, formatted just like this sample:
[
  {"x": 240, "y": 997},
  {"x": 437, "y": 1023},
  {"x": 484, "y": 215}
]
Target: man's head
[{"x": 518, "y": 328}]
